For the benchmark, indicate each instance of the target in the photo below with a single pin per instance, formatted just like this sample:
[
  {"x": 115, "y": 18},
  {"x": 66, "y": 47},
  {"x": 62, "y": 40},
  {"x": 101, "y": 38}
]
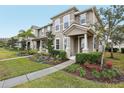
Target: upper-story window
[
  {"x": 38, "y": 33},
  {"x": 42, "y": 31},
  {"x": 66, "y": 21},
  {"x": 48, "y": 28},
  {"x": 83, "y": 19},
  {"x": 57, "y": 25}
]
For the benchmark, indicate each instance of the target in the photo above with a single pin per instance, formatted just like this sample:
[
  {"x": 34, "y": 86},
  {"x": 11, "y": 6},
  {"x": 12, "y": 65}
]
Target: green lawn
[
  {"x": 18, "y": 67},
  {"x": 118, "y": 60},
  {"x": 62, "y": 79},
  {"x": 4, "y": 53}
]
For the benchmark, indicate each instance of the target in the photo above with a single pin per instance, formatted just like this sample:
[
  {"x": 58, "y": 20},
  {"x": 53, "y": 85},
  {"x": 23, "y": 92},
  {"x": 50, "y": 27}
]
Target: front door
[
  {"x": 38, "y": 45},
  {"x": 81, "y": 44}
]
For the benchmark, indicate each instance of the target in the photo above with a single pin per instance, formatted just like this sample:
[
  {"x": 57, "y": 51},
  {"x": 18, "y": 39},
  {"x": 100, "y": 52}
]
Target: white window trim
[
  {"x": 55, "y": 25},
  {"x": 68, "y": 21},
  {"x": 59, "y": 43},
  {"x": 85, "y": 19}
]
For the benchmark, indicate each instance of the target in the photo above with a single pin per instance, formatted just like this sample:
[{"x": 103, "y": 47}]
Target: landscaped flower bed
[
  {"x": 88, "y": 66},
  {"x": 49, "y": 59},
  {"x": 105, "y": 75}
]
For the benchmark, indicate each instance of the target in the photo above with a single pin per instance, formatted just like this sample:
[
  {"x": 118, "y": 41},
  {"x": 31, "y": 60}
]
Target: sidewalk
[
  {"x": 34, "y": 75},
  {"x": 15, "y": 58}
]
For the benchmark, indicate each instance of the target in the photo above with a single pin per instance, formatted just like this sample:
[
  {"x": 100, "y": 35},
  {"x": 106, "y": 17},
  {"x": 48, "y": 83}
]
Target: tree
[
  {"x": 25, "y": 35},
  {"x": 49, "y": 42},
  {"x": 111, "y": 17},
  {"x": 118, "y": 36},
  {"x": 12, "y": 42}
]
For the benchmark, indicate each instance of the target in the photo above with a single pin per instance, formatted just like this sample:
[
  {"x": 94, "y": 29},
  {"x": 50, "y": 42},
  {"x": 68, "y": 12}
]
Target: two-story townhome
[{"x": 72, "y": 30}]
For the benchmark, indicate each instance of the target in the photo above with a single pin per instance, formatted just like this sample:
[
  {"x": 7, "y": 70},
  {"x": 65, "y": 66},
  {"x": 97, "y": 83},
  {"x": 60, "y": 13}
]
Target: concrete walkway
[
  {"x": 15, "y": 58},
  {"x": 34, "y": 75}
]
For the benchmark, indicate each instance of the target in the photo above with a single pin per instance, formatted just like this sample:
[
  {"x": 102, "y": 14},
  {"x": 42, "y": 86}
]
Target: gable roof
[
  {"x": 72, "y": 8},
  {"x": 74, "y": 25},
  {"x": 34, "y": 27}
]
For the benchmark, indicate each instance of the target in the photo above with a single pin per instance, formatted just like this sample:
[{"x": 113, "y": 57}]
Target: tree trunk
[{"x": 112, "y": 56}]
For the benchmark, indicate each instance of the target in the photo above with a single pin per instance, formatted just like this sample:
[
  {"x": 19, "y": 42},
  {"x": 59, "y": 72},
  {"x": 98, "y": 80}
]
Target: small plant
[
  {"x": 82, "y": 72},
  {"x": 109, "y": 64},
  {"x": 96, "y": 74},
  {"x": 109, "y": 73},
  {"x": 72, "y": 68}
]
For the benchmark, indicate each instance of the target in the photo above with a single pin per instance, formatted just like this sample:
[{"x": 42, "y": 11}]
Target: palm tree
[{"x": 25, "y": 35}]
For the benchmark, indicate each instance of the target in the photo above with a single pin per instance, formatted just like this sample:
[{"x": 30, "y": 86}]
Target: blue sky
[{"x": 14, "y": 18}]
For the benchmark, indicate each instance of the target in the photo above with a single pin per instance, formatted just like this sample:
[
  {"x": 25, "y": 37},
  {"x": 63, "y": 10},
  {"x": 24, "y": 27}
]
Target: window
[
  {"x": 83, "y": 19},
  {"x": 38, "y": 33},
  {"x": 66, "y": 21},
  {"x": 57, "y": 44},
  {"x": 48, "y": 28},
  {"x": 42, "y": 31},
  {"x": 57, "y": 25}
]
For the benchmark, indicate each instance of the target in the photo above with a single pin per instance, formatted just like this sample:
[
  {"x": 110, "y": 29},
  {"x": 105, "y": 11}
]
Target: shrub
[
  {"x": 37, "y": 58},
  {"x": 93, "y": 57},
  {"x": 72, "y": 68},
  {"x": 22, "y": 53},
  {"x": 109, "y": 64},
  {"x": 96, "y": 74},
  {"x": 110, "y": 73},
  {"x": 59, "y": 54},
  {"x": 122, "y": 50},
  {"x": 31, "y": 52},
  {"x": 82, "y": 72}
]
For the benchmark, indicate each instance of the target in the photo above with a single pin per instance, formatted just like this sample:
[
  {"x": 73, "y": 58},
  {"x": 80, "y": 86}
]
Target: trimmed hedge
[
  {"x": 61, "y": 54},
  {"x": 122, "y": 50},
  {"x": 94, "y": 57}
]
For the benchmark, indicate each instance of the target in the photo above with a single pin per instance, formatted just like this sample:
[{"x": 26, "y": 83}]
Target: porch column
[
  {"x": 40, "y": 45},
  {"x": 68, "y": 47},
  {"x": 78, "y": 44},
  {"x": 85, "y": 50}
]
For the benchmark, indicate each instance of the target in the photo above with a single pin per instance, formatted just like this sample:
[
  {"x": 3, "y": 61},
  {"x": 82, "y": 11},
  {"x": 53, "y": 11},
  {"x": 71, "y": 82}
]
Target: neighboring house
[{"x": 72, "y": 30}]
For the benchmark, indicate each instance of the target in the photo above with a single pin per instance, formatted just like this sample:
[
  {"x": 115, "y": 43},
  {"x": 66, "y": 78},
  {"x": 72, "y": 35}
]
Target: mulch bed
[{"x": 89, "y": 76}]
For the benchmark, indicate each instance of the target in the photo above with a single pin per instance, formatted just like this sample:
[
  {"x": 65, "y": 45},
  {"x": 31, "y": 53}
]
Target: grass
[
  {"x": 118, "y": 60},
  {"x": 62, "y": 79},
  {"x": 13, "y": 68},
  {"x": 4, "y": 53}
]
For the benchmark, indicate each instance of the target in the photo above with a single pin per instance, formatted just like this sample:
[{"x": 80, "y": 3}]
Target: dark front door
[
  {"x": 38, "y": 45},
  {"x": 28, "y": 45}
]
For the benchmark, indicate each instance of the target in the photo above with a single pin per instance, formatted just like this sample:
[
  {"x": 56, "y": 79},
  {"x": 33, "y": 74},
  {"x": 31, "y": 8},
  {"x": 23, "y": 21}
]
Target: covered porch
[
  {"x": 39, "y": 44},
  {"x": 80, "y": 39}
]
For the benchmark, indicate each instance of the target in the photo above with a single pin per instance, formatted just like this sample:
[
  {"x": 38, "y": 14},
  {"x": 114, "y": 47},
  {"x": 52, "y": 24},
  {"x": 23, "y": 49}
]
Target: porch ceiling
[
  {"x": 37, "y": 39},
  {"x": 76, "y": 29}
]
